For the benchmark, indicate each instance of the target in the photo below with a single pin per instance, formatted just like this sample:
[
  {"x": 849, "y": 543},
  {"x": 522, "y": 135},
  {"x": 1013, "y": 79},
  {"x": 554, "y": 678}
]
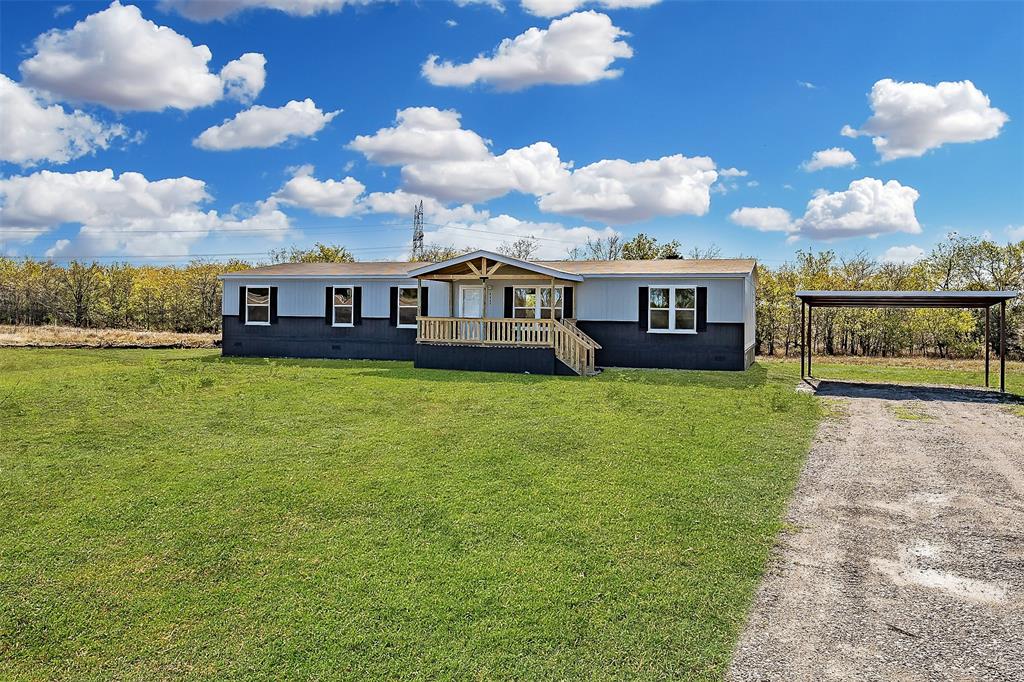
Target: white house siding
[
  {"x": 616, "y": 299},
  {"x": 305, "y": 297}
]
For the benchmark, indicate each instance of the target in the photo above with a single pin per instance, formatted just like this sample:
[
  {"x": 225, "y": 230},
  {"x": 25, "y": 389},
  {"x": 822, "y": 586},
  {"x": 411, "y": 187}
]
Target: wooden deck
[{"x": 571, "y": 345}]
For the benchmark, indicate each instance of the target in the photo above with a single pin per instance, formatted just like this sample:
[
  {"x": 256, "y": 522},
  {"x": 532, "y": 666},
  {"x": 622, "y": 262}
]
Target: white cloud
[
  {"x": 32, "y": 132},
  {"x": 908, "y": 119},
  {"x": 61, "y": 10},
  {"x": 125, "y": 62},
  {"x": 451, "y": 23},
  {"x": 807, "y": 85},
  {"x": 556, "y": 8},
  {"x": 214, "y": 10},
  {"x": 618, "y": 191},
  {"x": 833, "y": 157},
  {"x": 768, "y": 219},
  {"x": 440, "y": 159},
  {"x": 244, "y": 77},
  {"x": 422, "y": 134},
  {"x": 338, "y": 198},
  {"x": 401, "y": 203},
  {"x": 1015, "y": 232},
  {"x": 553, "y": 239},
  {"x": 342, "y": 198},
  {"x": 732, "y": 173},
  {"x": 753, "y": 183},
  {"x": 867, "y": 208},
  {"x": 902, "y": 254},
  {"x": 493, "y": 4},
  {"x": 127, "y": 215},
  {"x": 260, "y": 127},
  {"x": 572, "y": 51},
  {"x": 535, "y": 169}
]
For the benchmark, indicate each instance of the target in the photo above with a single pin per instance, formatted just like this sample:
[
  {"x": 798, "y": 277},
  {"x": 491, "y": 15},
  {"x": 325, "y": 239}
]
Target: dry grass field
[{"x": 75, "y": 337}]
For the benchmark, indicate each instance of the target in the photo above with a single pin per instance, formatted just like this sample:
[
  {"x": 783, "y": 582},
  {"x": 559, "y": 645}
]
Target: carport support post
[
  {"x": 988, "y": 308},
  {"x": 810, "y": 338},
  {"x": 803, "y": 334},
  {"x": 1002, "y": 346}
]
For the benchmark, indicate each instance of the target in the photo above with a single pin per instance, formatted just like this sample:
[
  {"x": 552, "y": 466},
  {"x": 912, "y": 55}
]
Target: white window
[
  {"x": 672, "y": 309},
  {"x": 408, "y": 306},
  {"x": 344, "y": 307},
  {"x": 532, "y": 303},
  {"x": 257, "y": 305}
]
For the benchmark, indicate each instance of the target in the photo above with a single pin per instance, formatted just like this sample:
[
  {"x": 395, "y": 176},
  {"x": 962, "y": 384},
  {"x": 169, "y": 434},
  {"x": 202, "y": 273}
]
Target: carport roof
[{"x": 905, "y": 299}]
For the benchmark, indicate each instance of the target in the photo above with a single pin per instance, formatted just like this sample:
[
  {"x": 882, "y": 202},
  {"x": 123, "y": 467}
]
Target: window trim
[
  {"x": 257, "y": 323},
  {"x": 399, "y": 306},
  {"x": 560, "y": 308},
  {"x": 672, "y": 309},
  {"x": 334, "y": 306}
]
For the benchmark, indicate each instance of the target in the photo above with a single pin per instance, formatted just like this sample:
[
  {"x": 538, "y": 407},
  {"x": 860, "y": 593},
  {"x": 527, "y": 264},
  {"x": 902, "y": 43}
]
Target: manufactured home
[{"x": 487, "y": 311}]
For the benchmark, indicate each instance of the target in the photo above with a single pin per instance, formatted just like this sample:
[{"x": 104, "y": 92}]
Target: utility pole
[{"x": 417, "y": 231}]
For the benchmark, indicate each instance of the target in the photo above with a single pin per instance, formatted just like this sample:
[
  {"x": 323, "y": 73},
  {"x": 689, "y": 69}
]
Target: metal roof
[{"x": 904, "y": 299}]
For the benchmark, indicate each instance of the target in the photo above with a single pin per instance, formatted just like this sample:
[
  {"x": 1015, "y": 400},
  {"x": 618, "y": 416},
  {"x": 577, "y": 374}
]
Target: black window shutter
[
  {"x": 508, "y": 301},
  {"x": 567, "y": 311},
  {"x": 425, "y": 301},
  {"x": 329, "y": 307},
  {"x": 702, "y": 309},
  {"x": 393, "y": 310},
  {"x": 241, "y": 304},
  {"x": 643, "y": 303},
  {"x": 357, "y": 305},
  {"x": 273, "y": 305}
]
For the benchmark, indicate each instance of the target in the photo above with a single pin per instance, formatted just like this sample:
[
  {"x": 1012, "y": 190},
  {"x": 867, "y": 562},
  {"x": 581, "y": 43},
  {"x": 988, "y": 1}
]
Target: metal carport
[{"x": 809, "y": 300}]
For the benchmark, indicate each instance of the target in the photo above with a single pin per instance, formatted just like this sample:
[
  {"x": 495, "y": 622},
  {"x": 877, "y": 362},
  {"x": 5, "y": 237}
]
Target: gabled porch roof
[{"x": 489, "y": 265}]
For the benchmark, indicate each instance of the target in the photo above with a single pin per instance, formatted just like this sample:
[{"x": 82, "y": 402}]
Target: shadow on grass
[
  {"x": 756, "y": 375},
  {"x": 857, "y": 389}
]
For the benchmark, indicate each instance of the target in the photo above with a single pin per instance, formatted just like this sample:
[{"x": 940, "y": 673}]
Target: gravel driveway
[{"x": 904, "y": 553}]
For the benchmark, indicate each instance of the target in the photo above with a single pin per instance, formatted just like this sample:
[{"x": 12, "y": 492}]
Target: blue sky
[{"x": 755, "y": 88}]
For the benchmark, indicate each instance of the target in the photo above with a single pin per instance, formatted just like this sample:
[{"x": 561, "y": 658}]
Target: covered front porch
[{"x": 498, "y": 302}]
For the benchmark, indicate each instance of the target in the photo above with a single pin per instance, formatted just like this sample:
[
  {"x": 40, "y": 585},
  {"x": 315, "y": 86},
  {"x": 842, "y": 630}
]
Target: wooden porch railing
[{"x": 572, "y": 346}]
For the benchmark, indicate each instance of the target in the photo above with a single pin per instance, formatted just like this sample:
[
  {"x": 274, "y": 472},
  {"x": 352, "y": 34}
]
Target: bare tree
[
  {"x": 606, "y": 248},
  {"x": 706, "y": 253},
  {"x": 523, "y": 248}
]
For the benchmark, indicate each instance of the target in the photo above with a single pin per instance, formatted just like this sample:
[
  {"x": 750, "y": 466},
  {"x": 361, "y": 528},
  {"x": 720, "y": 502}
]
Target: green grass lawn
[
  {"x": 174, "y": 514},
  {"x": 908, "y": 371}
]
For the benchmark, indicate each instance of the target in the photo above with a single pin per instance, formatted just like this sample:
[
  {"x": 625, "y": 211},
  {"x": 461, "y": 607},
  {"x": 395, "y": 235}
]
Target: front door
[{"x": 471, "y": 303}]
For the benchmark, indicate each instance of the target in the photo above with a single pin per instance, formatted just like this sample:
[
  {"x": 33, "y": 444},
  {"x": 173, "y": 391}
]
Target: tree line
[
  {"x": 188, "y": 298},
  {"x": 958, "y": 263}
]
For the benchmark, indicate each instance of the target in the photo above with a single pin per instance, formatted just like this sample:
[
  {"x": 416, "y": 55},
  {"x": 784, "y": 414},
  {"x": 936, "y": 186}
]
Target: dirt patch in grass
[
  {"x": 910, "y": 413},
  {"x": 75, "y": 337}
]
